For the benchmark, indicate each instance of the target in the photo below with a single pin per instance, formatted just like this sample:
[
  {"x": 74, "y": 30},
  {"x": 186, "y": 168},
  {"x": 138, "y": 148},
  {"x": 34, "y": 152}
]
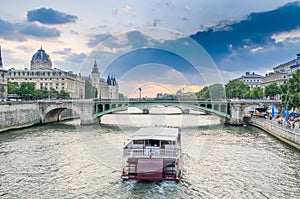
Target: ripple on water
[{"x": 61, "y": 161}]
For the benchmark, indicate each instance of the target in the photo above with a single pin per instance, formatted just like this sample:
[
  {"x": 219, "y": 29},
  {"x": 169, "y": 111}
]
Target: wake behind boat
[{"x": 153, "y": 154}]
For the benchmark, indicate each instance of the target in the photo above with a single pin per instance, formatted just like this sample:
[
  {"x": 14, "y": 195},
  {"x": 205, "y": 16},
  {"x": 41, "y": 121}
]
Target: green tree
[
  {"x": 122, "y": 96},
  {"x": 215, "y": 91},
  {"x": 292, "y": 91},
  {"x": 272, "y": 90},
  {"x": 203, "y": 93},
  {"x": 63, "y": 95},
  {"x": 90, "y": 90},
  {"x": 236, "y": 89},
  {"x": 12, "y": 87},
  {"x": 40, "y": 94},
  {"x": 256, "y": 93},
  {"x": 26, "y": 88}
]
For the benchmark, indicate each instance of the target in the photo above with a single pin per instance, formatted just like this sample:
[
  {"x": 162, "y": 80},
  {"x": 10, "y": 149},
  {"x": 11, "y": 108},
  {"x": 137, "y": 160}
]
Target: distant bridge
[
  {"x": 220, "y": 108},
  {"x": 90, "y": 111}
]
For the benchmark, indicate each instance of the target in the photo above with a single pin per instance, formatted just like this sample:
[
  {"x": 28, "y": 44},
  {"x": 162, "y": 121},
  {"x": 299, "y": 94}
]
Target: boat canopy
[{"x": 157, "y": 133}]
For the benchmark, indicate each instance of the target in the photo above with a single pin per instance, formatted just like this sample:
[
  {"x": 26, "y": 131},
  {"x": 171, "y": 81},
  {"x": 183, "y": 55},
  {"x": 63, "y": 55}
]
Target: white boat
[{"x": 153, "y": 154}]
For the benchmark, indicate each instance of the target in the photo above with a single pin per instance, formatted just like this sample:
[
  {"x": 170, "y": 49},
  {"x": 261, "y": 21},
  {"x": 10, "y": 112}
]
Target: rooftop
[{"x": 156, "y": 133}]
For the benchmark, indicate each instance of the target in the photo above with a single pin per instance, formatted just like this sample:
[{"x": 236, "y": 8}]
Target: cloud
[
  {"x": 98, "y": 39},
  {"x": 21, "y": 31},
  {"x": 37, "y": 31},
  {"x": 50, "y": 16},
  {"x": 74, "y": 58},
  {"x": 10, "y": 31},
  {"x": 225, "y": 41}
]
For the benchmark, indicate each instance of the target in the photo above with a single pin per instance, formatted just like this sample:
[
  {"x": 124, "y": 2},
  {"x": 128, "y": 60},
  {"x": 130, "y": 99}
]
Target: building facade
[
  {"x": 251, "y": 79},
  {"x": 3, "y": 80},
  {"x": 282, "y": 72},
  {"x": 279, "y": 78},
  {"x": 106, "y": 88},
  {"x": 45, "y": 77}
]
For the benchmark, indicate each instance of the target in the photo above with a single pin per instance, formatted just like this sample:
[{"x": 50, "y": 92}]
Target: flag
[
  {"x": 287, "y": 111},
  {"x": 273, "y": 110}
]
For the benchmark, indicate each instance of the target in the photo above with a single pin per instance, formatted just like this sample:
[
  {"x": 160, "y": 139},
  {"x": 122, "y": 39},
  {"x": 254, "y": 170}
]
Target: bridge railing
[{"x": 283, "y": 126}]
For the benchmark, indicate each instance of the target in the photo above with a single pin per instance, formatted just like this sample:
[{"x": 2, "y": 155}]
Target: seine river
[{"x": 65, "y": 160}]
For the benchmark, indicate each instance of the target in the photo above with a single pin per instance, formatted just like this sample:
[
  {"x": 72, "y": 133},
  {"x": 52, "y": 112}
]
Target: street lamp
[{"x": 140, "y": 93}]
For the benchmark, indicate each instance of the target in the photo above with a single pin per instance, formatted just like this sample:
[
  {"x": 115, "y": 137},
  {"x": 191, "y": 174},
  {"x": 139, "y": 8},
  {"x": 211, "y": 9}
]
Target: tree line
[
  {"x": 28, "y": 91},
  {"x": 288, "y": 92}
]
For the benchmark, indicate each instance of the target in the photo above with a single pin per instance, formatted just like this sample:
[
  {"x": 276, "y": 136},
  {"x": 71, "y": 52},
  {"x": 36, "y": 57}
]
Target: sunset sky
[{"x": 161, "y": 46}]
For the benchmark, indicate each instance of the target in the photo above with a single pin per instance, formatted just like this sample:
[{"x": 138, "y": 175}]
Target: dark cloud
[
  {"x": 9, "y": 31},
  {"x": 20, "y": 31},
  {"x": 70, "y": 56},
  {"x": 37, "y": 31},
  {"x": 98, "y": 39},
  {"x": 50, "y": 16},
  {"x": 239, "y": 38}
]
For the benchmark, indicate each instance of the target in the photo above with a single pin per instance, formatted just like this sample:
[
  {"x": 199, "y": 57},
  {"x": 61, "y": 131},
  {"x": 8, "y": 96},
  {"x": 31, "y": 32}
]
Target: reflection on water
[{"x": 64, "y": 160}]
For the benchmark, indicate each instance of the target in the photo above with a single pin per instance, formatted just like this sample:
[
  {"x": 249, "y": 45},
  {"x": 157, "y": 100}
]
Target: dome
[
  {"x": 41, "y": 60},
  {"x": 41, "y": 55}
]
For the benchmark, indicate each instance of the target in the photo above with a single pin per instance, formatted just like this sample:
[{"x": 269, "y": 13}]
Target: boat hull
[{"x": 158, "y": 169}]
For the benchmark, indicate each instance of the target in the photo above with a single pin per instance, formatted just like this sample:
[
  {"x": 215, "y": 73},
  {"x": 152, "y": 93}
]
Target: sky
[{"x": 159, "y": 46}]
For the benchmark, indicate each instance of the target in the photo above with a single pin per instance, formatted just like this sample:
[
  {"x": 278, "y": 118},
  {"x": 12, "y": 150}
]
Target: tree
[
  {"x": 272, "y": 90},
  {"x": 292, "y": 91},
  {"x": 26, "y": 88},
  {"x": 122, "y": 96},
  {"x": 90, "y": 90},
  {"x": 12, "y": 87},
  {"x": 256, "y": 93},
  {"x": 40, "y": 94},
  {"x": 236, "y": 89},
  {"x": 203, "y": 93},
  {"x": 63, "y": 95},
  {"x": 215, "y": 91}
]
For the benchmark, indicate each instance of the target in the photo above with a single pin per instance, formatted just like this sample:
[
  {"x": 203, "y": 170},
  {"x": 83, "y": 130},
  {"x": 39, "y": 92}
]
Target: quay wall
[
  {"x": 18, "y": 115},
  {"x": 289, "y": 136}
]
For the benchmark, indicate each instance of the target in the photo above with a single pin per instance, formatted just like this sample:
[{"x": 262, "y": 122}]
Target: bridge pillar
[
  {"x": 87, "y": 111},
  {"x": 237, "y": 114}
]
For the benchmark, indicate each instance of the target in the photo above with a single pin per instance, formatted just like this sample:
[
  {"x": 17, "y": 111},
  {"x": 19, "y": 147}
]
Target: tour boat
[{"x": 153, "y": 154}]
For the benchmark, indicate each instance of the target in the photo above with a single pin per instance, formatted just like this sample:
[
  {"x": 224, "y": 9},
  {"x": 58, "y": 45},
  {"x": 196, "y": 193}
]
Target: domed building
[
  {"x": 45, "y": 77},
  {"x": 40, "y": 60}
]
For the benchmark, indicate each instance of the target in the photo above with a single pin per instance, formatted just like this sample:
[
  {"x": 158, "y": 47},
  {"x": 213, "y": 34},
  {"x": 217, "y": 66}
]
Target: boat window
[{"x": 138, "y": 141}]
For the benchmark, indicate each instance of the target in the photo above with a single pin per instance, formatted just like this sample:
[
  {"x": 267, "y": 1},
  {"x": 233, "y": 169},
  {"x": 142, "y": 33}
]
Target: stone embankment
[
  {"x": 18, "y": 115},
  {"x": 288, "y": 135}
]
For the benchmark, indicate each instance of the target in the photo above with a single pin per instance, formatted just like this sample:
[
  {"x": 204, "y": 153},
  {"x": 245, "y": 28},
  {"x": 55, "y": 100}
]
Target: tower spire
[
  {"x": 1, "y": 63},
  {"x": 95, "y": 68}
]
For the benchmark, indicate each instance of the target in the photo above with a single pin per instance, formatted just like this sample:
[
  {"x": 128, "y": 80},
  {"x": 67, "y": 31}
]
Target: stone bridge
[
  {"x": 51, "y": 110},
  {"x": 91, "y": 111}
]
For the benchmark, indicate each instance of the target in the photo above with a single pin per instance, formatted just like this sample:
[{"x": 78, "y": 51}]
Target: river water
[{"x": 65, "y": 160}]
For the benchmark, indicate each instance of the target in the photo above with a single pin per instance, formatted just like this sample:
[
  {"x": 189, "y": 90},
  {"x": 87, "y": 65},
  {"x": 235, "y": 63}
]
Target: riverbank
[
  {"x": 15, "y": 116},
  {"x": 25, "y": 114},
  {"x": 291, "y": 136}
]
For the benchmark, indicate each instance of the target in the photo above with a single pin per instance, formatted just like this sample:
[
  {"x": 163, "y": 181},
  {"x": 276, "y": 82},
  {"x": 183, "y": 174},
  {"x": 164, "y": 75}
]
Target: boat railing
[{"x": 148, "y": 153}]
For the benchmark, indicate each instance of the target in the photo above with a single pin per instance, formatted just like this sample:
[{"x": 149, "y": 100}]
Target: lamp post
[{"x": 140, "y": 93}]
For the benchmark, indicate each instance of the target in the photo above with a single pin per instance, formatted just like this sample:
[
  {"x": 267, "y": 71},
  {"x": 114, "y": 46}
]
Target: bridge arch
[{"x": 53, "y": 113}]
